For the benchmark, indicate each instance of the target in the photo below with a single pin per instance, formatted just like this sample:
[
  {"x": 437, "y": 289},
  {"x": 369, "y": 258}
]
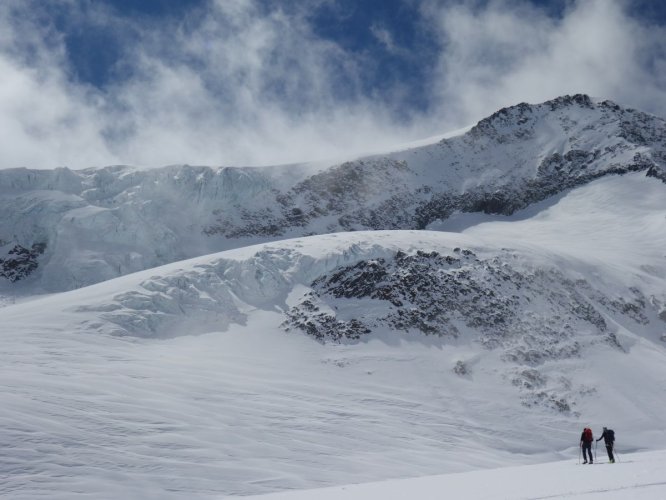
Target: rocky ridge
[
  {"x": 495, "y": 168},
  {"x": 19, "y": 262},
  {"x": 97, "y": 224},
  {"x": 496, "y": 302}
]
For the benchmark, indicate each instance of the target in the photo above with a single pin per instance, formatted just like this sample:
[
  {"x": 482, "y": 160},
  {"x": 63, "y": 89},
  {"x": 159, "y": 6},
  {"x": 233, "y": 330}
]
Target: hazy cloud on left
[{"x": 243, "y": 82}]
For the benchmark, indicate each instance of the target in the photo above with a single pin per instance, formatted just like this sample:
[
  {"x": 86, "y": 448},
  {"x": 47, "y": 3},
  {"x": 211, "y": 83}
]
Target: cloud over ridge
[{"x": 235, "y": 82}]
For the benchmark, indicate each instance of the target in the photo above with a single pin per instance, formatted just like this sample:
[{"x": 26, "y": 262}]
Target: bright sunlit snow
[
  {"x": 179, "y": 382},
  {"x": 639, "y": 476}
]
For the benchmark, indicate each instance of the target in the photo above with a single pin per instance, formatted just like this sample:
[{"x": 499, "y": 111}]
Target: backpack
[
  {"x": 610, "y": 435},
  {"x": 587, "y": 435}
]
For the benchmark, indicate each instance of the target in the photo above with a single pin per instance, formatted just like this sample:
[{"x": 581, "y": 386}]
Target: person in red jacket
[{"x": 586, "y": 439}]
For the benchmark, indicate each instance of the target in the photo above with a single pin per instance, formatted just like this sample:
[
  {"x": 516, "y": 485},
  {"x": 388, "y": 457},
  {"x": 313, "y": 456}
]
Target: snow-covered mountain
[
  {"x": 442, "y": 352},
  {"x": 68, "y": 229},
  {"x": 482, "y": 322},
  {"x": 640, "y": 477}
]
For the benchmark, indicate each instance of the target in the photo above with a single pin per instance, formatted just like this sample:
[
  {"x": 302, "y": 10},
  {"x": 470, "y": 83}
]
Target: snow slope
[
  {"x": 202, "y": 378},
  {"x": 62, "y": 229},
  {"x": 639, "y": 476}
]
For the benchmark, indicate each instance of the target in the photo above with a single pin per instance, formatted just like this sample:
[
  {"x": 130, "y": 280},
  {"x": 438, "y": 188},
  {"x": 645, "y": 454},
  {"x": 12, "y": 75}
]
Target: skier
[
  {"x": 609, "y": 439},
  {"x": 586, "y": 439}
]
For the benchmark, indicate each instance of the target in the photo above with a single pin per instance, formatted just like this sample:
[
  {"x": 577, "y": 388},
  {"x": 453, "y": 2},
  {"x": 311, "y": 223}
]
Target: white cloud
[
  {"x": 236, "y": 84},
  {"x": 509, "y": 52},
  {"x": 44, "y": 119},
  {"x": 229, "y": 85},
  {"x": 384, "y": 36}
]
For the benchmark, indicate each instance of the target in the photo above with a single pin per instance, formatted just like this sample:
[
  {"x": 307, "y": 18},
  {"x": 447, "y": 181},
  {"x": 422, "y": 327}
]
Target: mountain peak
[
  {"x": 99, "y": 223},
  {"x": 580, "y": 100},
  {"x": 522, "y": 116}
]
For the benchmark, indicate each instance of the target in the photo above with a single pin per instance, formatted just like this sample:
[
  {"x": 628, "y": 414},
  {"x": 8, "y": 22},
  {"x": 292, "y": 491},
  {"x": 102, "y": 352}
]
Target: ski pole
[
  {"x": 595, "y": 450},
  {"x": 615, "y": 452},
  {"x": 580, "y": 446}
]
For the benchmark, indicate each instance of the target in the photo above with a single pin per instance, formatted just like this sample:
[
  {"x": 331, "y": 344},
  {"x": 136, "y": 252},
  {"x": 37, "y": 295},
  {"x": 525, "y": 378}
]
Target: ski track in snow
[
  {"x": 186, "y": 415},
  {"x": 638, "y": 476}
]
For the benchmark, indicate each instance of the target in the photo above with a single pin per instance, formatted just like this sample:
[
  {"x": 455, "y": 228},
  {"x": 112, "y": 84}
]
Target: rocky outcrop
[
  {"x": 397, "y": 192},
  {"x": 102, "y": 223},
  {"x": 436, "y": 294},
  {"x": 458, "y": 295},
  {"x": 20, "y": 262}
]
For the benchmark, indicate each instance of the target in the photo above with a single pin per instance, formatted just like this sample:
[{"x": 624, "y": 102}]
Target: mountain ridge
[
  {"x": 94, "y": 224},
  {"x": 439, "y": 287},
  {"x": 345, "y": 357},
  {"x": 204, "y": 377}
]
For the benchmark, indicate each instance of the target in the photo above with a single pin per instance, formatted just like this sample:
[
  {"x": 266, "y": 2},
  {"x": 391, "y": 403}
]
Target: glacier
[
  {"x": 153, "y": 354},
  {"x": 97, "y": 224}
]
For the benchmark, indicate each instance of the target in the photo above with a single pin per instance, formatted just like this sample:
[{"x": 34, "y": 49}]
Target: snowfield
[
  {"x": 63, "y": 229},
  {"x": 639, "y": 477},
  {"x": 203, "y": 378}
]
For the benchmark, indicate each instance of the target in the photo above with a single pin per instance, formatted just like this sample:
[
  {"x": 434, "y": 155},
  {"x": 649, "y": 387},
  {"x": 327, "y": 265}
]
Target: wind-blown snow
[
  {"x": 107, "y": 392},
  {"x": 64, "y": 229},
  {"x": 639, "y": 476}
]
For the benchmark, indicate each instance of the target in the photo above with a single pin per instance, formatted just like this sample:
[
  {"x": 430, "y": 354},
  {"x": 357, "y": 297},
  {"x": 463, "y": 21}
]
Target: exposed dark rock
[
  {"x": 529, "y": 379},
  {"x": 657, "y": 173},
  {"x": 581, "y": 100},
  {"x": 492, "y": 169},
  {"x": 381, "y": 192},
  {"x": 544, "y": 398},
  {"x": 20, "y": 261},
  {"x": 462, "y": 369},
  {"x": 443, "y": 295},
  {"x": 322, "y": 326},
  {"x": 431, "y": 293}
]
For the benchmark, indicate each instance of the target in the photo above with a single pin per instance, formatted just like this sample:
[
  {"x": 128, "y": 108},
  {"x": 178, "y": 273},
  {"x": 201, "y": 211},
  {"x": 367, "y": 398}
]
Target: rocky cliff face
[
  {"x": 19, "y": 262},
  {"x": 497, "y": 302},
  {"x": 96, "y": 224},
  {"x": 517, "y": 156}
]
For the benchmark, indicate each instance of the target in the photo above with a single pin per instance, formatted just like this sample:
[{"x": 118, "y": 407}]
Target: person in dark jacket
[
  {"x": 586, "y": 439},
  {"x": 609, "y": 439}
]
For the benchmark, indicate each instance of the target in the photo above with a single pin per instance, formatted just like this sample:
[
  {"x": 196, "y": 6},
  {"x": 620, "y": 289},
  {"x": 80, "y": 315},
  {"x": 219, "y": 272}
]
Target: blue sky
[{"x": 157, "y": 82}]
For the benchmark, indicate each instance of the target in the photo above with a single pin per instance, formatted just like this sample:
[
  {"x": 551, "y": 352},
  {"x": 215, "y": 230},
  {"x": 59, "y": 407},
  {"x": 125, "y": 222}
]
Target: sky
[{"x": 255, "y": 82}]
